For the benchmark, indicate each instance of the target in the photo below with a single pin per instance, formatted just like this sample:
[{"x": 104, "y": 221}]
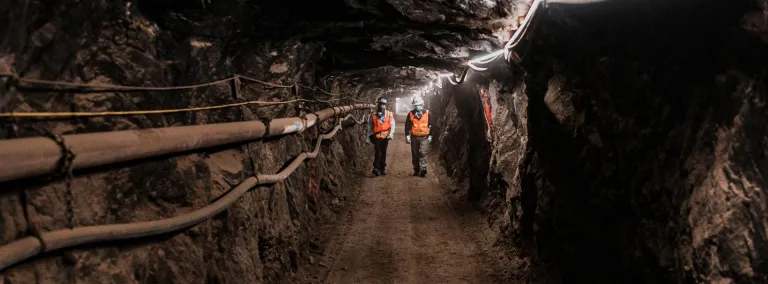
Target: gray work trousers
[{"x": 419, "y": 152}]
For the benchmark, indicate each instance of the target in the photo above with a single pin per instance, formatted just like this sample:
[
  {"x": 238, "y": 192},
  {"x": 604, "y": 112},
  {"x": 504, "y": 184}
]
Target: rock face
[
  {"x": 264, "y": 237},
  {"x": 641, "y": 157},
  {"x": 628, "y": 145},
  {"x": 366, "y": 48}
]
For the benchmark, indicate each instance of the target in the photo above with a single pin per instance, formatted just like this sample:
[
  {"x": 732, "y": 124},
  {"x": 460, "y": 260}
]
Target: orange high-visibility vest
[
  {"x": 419, "y": 127},
  {"x": 381, "y": 129}
]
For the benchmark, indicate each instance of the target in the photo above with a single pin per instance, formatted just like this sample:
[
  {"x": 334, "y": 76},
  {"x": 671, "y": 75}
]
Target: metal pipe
[
  {"x": 29, "y": 157},
  {"x": 27, "y": 247}
]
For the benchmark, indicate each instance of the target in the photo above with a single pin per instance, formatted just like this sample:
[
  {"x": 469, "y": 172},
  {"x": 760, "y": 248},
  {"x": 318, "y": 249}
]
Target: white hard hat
[{"x": 418, "y": 101}]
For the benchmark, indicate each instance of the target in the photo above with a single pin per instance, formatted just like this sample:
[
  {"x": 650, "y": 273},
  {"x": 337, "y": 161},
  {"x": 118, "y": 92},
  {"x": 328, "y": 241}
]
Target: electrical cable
[
  {"x": 28, "y": 247},
  {"x": 476, "y": 68},
  {"x": 15, "y": 79},
  {"x": 110, "y": 87},
  {"x": 513, "y": 41},
  {"x": 262, "y": 82}
]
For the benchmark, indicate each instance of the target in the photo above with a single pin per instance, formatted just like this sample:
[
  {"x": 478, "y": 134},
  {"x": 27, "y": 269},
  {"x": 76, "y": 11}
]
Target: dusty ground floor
[{"x": 406, "y": 229}]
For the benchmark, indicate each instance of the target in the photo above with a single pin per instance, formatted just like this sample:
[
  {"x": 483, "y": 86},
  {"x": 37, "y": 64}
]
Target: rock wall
[
  {"x": 641, "y": 153},
  {"x": 264, "y": 237},
  {"x": 490, "y": 165}
]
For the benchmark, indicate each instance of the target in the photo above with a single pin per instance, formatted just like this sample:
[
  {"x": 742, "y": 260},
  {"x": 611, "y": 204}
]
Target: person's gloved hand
[
  {"x": 429, "y": 139},
  {"x": 408, "y": 139},
  {"x": 390, "y": 136}
]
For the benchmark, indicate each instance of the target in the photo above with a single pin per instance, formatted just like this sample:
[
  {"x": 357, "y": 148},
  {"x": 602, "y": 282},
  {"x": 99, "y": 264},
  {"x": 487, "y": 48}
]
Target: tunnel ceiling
[{"x": 382, "y": 43}]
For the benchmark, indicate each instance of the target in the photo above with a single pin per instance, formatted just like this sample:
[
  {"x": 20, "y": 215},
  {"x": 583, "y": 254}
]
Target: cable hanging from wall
[
  {"x": 15, "y": 81},
  {"x": 506, "y": 51}
]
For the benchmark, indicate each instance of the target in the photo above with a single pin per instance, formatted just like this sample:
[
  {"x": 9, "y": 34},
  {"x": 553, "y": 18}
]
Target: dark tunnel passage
[{"x": 620, "y": 141}]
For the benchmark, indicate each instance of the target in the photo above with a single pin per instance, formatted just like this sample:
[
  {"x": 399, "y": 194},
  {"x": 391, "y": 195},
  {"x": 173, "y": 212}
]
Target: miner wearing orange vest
[
  {"x": 380, "y": 128},
  {"x": 417, "y": 133}
]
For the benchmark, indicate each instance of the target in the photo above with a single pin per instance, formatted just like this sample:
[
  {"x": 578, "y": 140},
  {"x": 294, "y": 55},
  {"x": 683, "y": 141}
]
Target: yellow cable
[
  {"x": 262, "y": 82},
  {"x": 136, "y": 88},
  {"x": 160, "y": 111}
]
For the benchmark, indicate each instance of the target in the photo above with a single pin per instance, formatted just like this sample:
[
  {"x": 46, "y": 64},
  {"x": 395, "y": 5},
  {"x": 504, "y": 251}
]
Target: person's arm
[
  {"x": 407, "y": 125},
  {"x": 429, "y": 126},
  {"x": 392, "y": 125},
  {"x": 430, "y": 121}
]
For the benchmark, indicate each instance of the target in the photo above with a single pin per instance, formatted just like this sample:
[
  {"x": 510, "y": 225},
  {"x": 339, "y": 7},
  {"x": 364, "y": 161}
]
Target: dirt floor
[{"x": 406, "y": 229}]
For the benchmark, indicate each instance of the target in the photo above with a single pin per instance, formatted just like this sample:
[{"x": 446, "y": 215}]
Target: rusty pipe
[
  {"x": 29, "y": 157},
  {"x": 28, "y": 247}
]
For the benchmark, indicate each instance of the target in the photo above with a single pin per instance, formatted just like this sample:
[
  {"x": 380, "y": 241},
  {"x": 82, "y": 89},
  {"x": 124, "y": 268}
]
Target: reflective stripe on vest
[
  {"x": 419, "y": 127},
  {"x": 381, "y": 129}
]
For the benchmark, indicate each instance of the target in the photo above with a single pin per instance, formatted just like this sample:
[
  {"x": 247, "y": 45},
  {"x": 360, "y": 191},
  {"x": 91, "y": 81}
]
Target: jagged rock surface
[
  {"x": 645, "y": 155},
  {"x": 263, "y": 238},
  {"x": 626, "y": 147},
  {"x": 355, "y": 47}
]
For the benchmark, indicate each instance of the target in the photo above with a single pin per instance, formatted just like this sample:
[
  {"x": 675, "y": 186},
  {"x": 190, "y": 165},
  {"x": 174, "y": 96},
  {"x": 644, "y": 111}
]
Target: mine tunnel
[{"x": 222, "y": 141}]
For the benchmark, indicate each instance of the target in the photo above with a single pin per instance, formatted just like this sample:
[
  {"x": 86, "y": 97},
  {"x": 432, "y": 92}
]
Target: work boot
[
  {"x": 416, "y": 173},
  {"x": 375, "y": 172},
  {"x": 383, "y": 172},
  {"x": 423, "y": 173}
]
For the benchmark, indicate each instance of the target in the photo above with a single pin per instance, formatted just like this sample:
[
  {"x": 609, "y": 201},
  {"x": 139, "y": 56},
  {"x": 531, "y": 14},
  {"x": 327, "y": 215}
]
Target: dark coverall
[{"x": 418, "y": 144}]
